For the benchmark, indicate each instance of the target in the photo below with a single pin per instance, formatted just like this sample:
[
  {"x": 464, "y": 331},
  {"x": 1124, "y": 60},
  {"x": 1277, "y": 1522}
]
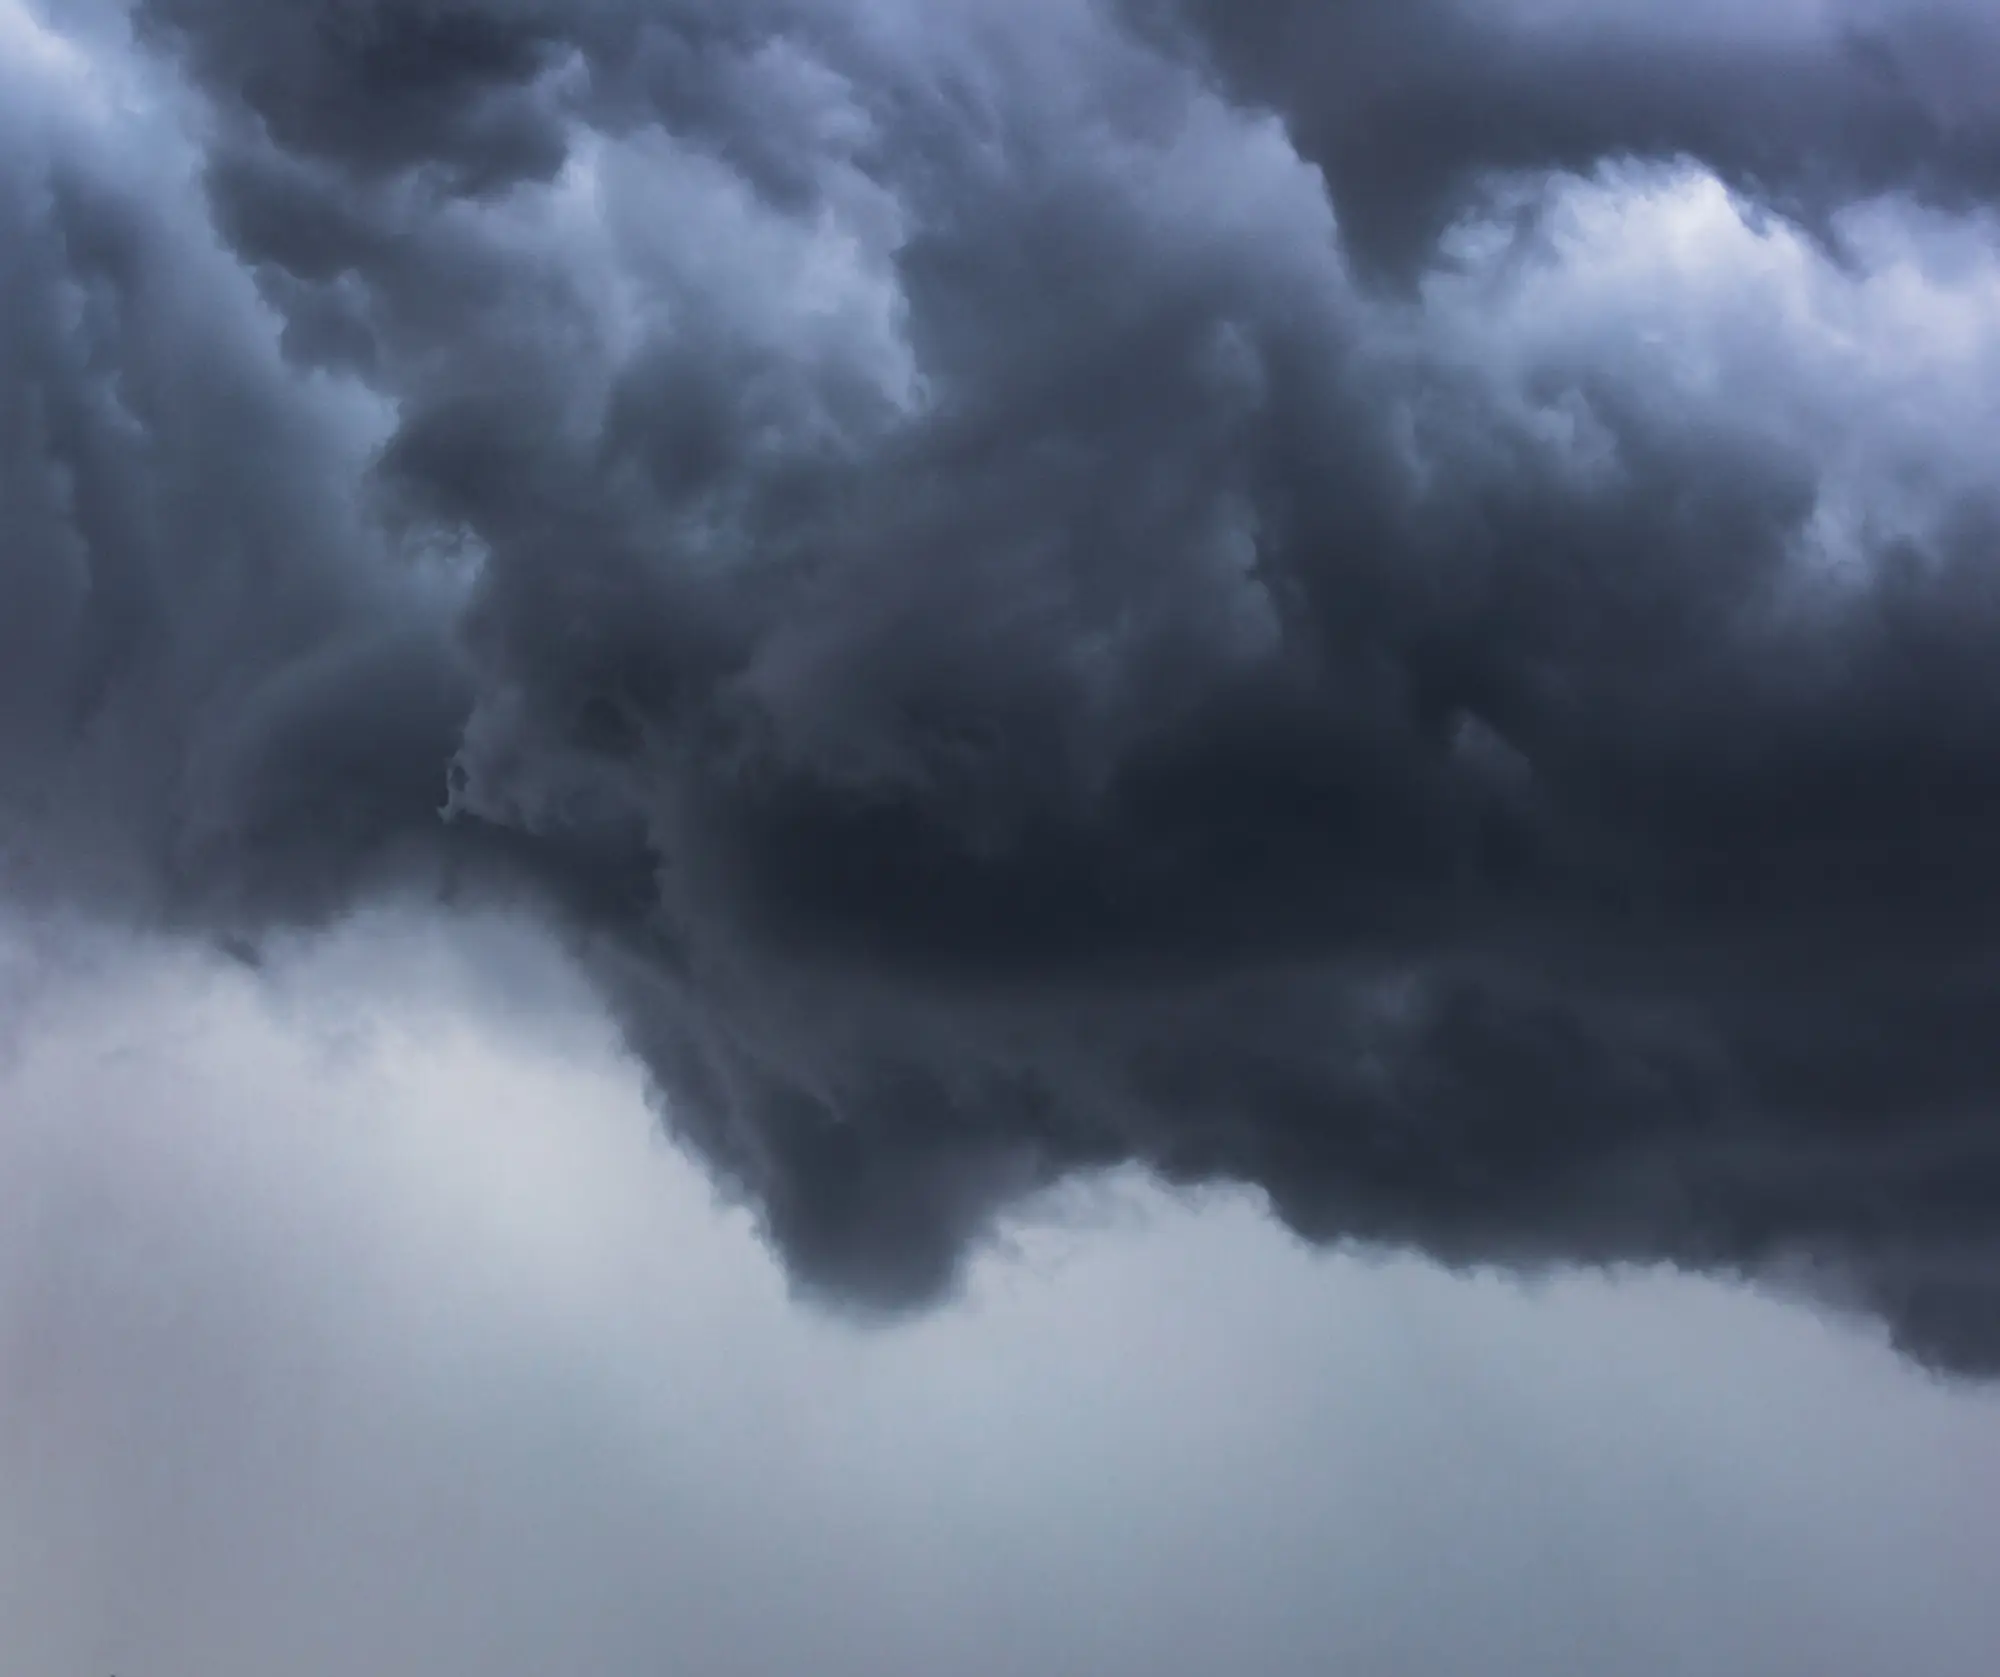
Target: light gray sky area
[{"x": 386, "y": 1335}]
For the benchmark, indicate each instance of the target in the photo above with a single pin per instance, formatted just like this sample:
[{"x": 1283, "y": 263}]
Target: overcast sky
[
  {"x": 350, "y": 1335},
  {"x": 910, "y": 835}
]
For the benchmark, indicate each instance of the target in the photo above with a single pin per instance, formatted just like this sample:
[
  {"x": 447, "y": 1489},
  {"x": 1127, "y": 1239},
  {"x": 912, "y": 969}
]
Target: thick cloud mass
[
  {"x": 1808, "y": 104},
  {"x": 1040, "y": 587}
]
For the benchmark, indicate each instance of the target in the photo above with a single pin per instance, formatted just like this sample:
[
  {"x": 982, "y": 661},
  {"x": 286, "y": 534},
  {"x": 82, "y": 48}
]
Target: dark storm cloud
[
  {"x": 211, "y": 695},
  {"x": 1412, "y": 108},
  {"x": 900, "y": 529}
]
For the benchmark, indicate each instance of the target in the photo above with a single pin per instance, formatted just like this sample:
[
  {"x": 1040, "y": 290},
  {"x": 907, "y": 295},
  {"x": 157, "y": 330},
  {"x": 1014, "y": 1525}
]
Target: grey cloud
[
  {"x": 353, "y": 1322},
  {"x": 1414, "y": 110},
  {"x": 202, "y": 632},
  {"x": 1004, "y": 657}
]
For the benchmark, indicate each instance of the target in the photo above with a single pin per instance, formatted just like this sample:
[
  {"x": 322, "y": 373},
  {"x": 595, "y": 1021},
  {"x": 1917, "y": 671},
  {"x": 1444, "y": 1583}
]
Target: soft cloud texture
[
  {"x": 1805, "y": 105},
  {"x": 1046, "y": 589},
  {"x": 354, "y": 1317}
]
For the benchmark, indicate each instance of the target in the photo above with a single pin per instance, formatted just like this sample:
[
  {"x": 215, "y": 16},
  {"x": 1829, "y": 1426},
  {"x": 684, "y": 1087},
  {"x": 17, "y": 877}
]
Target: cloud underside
[{"x": 1393, "y": 605}]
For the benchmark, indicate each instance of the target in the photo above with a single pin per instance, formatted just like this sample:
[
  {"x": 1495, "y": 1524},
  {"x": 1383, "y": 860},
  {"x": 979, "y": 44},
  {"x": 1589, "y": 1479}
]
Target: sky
[
  {"x": 1115, "y": 834},
  {"x": 356, "y": 1327}
]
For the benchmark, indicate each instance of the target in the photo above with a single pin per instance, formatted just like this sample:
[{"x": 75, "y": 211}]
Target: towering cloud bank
[{"x": 1396, "y": 603}]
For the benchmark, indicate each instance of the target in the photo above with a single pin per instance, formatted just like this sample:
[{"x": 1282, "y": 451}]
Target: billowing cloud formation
[
  {"x": 1808, "y": 104},
  {"x": 921, "y": 537}
]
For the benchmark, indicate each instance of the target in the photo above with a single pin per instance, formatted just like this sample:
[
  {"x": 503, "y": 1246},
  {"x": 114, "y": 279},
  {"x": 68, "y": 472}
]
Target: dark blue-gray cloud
[
  {"x": 960, "y": 558},
  {"x": 1411, "y": 109}
]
